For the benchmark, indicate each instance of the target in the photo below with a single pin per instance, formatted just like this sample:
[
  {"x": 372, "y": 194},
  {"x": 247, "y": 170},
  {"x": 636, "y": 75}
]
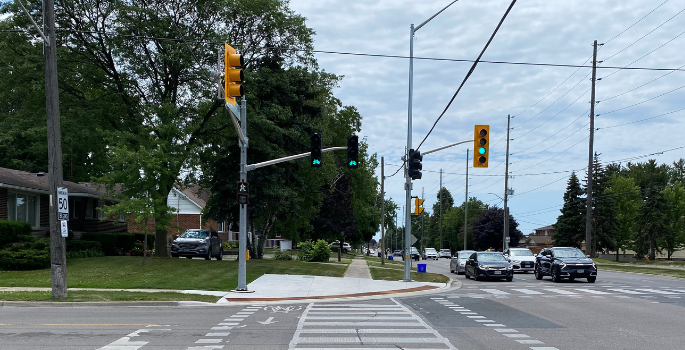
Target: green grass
[
  {"x": 106, "y": 296},
  {"x": 122, "y": 272},
  {"x": 375, "y": 259},
  {"x": 397, "y": 275},
  {"x": 646, "y": 270}
]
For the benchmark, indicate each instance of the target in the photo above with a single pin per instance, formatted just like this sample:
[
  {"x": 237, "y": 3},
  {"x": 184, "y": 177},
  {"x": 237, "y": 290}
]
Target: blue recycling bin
[
  {"x": 379, "y": 254},
  {"x": 389, "y": 257},
  {"x": 421, "y": 268}
]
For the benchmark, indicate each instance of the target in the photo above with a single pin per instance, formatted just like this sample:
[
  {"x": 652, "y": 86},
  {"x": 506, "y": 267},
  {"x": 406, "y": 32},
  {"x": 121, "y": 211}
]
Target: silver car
[
  {"x": 201, "y": 243},
  {"x": 522, "y": 259},
  {"x": 458, "y": 261}
]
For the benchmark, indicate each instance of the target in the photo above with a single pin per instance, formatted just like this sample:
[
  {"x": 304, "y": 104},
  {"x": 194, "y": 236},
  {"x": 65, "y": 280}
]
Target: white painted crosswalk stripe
[
  {"x": 657, "y": 291},
  {"x": 528, "y": 291},
  {"x": 591, "y": 291},
  {"x": 495, "y": 291},
  {"x": 560, "y": 291}
]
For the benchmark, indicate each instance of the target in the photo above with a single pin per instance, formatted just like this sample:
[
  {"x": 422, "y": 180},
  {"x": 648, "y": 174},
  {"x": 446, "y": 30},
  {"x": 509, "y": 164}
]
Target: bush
[
  {"x": 12, "y": 231},
  {"x": 140, "y": 237},
  {"x": 230, "y": 245},
  {"x": 320, "y": 251},
  {"x": 124, "y": 241},
  {"x": 283, "y": 256},
  {"x": 75, "y": 246},
  {"x": 305, "y": 253},
  {"x": 86, "y": 253},
  {"x": 107, "y": 240},
  {"x": 25, "y": 259}
]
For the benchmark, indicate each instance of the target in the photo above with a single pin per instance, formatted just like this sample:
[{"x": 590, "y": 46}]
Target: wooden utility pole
[
  {"x": 58, "y": 260},
  {"x": 588, "y": 222},
  {"x": 382, "y": 211}
]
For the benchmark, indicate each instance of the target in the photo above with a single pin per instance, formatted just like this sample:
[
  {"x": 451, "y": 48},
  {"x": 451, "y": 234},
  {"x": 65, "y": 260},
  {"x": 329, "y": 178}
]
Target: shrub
[
  {"x": 320, "y": 251},
  {"x": 12, "y": 231},
  {"x": 230, "y": 245},
  {"x": 75, "y": 246},
  {"x": 283, "y": 256},
  {"x": 140, "y": 237},
  {"x": 110, "y": 241},
  {"x": 25, "y": 259},
  {"x": 86, "y": 253},
  {"x": 305, "y": 253}
]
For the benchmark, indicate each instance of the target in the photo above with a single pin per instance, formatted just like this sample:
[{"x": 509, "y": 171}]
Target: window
[
  {"x": 222, "y": 226},
  {"x": 278, "y": 235},
  {"x": 89, "y": 209},
  {"x": 23, "y": 208}
]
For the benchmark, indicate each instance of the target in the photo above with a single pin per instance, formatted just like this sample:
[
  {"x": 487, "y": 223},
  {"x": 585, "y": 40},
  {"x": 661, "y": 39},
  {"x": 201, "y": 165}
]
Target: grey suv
[{"x": 202, "y": 243}]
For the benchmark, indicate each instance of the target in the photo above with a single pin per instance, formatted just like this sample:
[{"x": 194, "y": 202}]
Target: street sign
[
  {"x": 62, "y": 203},
  {"x": 508, "y": 239},
  {"x": 413, "y": 240},
  {"x": 65, "y": 229}
]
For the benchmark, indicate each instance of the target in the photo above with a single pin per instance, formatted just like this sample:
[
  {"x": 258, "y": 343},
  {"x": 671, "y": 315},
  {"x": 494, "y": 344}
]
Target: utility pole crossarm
[
  {"x": 448, "y": 146},
  {"x": 285, "y": 159}
]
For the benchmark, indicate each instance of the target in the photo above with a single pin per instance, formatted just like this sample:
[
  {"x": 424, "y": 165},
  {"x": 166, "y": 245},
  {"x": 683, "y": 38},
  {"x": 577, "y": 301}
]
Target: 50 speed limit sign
[{"x": 62, "y": 203}]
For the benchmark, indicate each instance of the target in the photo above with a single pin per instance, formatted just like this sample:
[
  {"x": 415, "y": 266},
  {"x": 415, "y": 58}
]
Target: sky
[{"x": 549, "y": 105}]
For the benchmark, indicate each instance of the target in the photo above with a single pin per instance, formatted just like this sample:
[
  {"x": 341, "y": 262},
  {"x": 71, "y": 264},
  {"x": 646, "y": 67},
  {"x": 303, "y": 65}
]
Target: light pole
[
  {"x": 408, "y": 185},
  {"x": 505, "y": 223}
]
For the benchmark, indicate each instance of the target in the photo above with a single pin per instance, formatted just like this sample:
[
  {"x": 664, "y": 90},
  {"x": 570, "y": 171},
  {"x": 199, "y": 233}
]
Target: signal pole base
[{"x": 242, "y": 291}]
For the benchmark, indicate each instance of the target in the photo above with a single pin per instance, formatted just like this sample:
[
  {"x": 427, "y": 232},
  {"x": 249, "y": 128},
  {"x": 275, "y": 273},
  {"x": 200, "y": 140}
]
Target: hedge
[
  {"x": 75, "y": 246},
  {"x": 110, "y": 241},
  {"x": 26, "y": 259},
  {"x": 13, "y": 231}
]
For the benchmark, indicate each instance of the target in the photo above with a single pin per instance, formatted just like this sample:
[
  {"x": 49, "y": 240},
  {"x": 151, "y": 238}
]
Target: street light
[{"x": 408, "y": 185}]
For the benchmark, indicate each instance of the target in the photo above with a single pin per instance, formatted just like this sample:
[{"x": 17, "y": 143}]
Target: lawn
[
  {"x": 122, "y": 272},
  {"x": 398, "y": 274}
]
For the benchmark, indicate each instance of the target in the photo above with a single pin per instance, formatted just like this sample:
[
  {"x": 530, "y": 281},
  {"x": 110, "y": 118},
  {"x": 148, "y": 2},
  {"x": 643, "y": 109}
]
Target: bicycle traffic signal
[
  {"x": 414, "y": 165},
  {"x": 353, "y": 151},
  {"x": 316, "y": 150},
  {"x": 481, "y": 146},
  {"x": 232, "y": 75},
  {"x": 418, "y": 206}
]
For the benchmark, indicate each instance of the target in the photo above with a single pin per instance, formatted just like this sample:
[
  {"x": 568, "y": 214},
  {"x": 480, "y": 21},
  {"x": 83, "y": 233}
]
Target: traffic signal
[
  {"x": 316, "y": 150},
  {"x": 481, "y": 146},
  {"x": 353, "y": 151},
  {"x": 414, "y": 164},
  {"x": 418, "y": 205},
  {"x": 243, "y": 193},
  {"x": 232, "y": 75}
]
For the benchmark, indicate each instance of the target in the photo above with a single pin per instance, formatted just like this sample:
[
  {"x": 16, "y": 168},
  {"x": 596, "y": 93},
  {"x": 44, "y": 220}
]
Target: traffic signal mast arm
[
  {"x": 448, "y": 146},
  {"x": 285, "y": 159}
]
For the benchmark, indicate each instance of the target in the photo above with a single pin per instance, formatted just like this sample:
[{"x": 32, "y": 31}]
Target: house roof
[
  {"x": 40, "y": 182},
  {"x": 550, "y": 227},
  {"x": 196, "y": 194}
]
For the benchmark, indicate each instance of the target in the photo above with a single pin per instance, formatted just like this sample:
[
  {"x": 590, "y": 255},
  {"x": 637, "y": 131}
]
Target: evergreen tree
[
  {"x": 604, "y": 216},
  {"x": 570, "y": 226},
  {"x": 651, "y": 222}
]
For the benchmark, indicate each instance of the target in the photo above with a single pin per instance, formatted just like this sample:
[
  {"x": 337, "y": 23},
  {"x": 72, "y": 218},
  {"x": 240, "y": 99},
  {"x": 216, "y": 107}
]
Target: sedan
[
  {"x": 444, "y": 253},
  {"x": 565, "y": 262},
  {"x": 203, "y": 243},
  {"x": 488, "y": 265},
  {"x": 521, "y": 258},
  {"x": 459, "y": 260}
]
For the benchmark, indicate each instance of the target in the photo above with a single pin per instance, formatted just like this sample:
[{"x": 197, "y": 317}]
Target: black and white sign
[
  {"x": 62, "y": 203},
  {"x": 65, "y": 229}
]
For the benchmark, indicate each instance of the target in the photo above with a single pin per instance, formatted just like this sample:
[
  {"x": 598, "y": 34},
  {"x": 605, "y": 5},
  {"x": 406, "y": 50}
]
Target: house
[
  {"x": 25, "y": 197},
  {"x": 541, "y": 238}
]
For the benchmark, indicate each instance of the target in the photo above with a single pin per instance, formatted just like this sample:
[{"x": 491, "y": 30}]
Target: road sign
[
  {"x": 413, "y": 240},
  {"x": 65, "y": 229},
  {"x": 62, "y": 203}
]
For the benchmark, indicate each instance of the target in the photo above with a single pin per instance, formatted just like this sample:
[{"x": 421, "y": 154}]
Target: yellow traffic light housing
[
  {"x": 233, "y": 76},
  {"x": 481, "y": 146},
  {"x": 418, "y": 206}
]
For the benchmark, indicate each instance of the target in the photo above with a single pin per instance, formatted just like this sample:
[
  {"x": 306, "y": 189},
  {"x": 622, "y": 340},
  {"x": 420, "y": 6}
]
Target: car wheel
[
  {"x": 509, "y": 279},
  {"x": 174, "y": 255},
  {"x": 555, "y": 275},
  {"x": 475, "y": 275},
  {"x": 466, "y": 275},
  {"x": 221, "y": 254},
  {"x": 571, "y": 279},
  {"x": 591, "y": 279},
  {"x": 538, "y": 274},
  {"x": 209, "y": 254},
  {"x": 189, "y": 257}
]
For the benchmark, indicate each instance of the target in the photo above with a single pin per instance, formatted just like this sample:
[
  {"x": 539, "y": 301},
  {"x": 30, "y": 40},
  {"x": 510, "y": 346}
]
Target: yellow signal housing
[
  {"x": 481, "y": 146},
  {"x": 233, "y": 76},
  {"x": 418, "y": 208}
]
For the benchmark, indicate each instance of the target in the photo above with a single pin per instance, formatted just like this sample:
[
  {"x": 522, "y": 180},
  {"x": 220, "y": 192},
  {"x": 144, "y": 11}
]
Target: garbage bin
[
  {"x": 389, "y": 257},
  {"x": 379, "y": 254},
  {"x": 421, "y": 268}
]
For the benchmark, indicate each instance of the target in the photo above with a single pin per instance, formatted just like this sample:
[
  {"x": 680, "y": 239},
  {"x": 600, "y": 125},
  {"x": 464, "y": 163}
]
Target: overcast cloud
[{"x": 550, "y": 105}]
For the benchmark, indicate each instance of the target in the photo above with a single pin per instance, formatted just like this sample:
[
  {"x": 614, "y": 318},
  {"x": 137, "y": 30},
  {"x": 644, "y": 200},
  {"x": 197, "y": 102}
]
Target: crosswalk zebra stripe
[
  {"x": 367, "y": 340},
  {"x": 495, "y": 291},
  {"x": 657, "y": 291},
  {"x": 360, "y": 313},
  {"x": 377, "y": 324},
  {"x": 528, "y": 291},
  {"x": 591, "y": 291},
  {"x": 365, "y": 331},
  {"x": 561, "y": 291},
  {"x": 332, "y": 318}
]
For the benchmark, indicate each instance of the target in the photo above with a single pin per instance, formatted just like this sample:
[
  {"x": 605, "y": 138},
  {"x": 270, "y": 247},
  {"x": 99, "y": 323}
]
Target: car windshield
[
  {"x": 568, "y": 253},
  {"x": 525, "y": 252},
  {"x": 490, "y": 257},
  {"x": 194, "y": 234},
  {"x": 430, "y": 250},
  {"x": 464, "y": 254},
  {"x": 414, "y": 250}
]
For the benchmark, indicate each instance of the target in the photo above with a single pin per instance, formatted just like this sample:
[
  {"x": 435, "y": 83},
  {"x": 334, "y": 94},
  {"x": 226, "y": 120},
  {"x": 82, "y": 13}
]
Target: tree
[
  {"x": 674, "y": 237},
  {"x": 488, "y": 230},
  {"x": 604, "y": 219},
  {"x": 626, "y": 196},
  {"x": 570, "y": 226},
  {"x": 651, "y": 221}
]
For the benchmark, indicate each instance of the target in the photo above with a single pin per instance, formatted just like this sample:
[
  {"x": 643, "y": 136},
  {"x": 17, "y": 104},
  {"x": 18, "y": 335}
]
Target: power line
[
  {"x": 639, "y": 103},
  {"x": 643, "y": 85},
  {"x": 638, "y": 21},
  {"x": 641, "y": 120}
]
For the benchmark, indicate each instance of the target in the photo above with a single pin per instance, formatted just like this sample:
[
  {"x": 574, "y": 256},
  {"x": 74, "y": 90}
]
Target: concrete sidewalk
[{"x": 358, "y": 268}]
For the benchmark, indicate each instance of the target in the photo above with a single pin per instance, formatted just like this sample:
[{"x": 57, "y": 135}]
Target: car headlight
[
  {"x": 563, "y": 265},
  {"x": 594, "y": 266},
  {"x": 482, "y": 267},
  {"x": 517, "y": 261}
]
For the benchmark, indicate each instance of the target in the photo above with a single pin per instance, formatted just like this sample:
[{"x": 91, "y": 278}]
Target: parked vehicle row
[{"x": 557, "y": 262}]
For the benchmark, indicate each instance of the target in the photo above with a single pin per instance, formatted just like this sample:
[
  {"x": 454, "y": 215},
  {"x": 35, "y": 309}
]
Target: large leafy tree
[
  {"x": 674, "y": 236},
  {"x": 570, "y": 226},
  {"x": 488, "y": 230},
  {"x": 626, "y": 196},
  {"x": 651, "y": 224}
]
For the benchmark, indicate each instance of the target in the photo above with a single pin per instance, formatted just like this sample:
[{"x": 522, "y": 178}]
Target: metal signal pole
[
  {"x": 588, "y": 222},
  {"x": 506, "y": 192},
  {"x": 383, "y": 211},
  {"x": 440, "y": 209},
  {"x": 466, "y": 198}
]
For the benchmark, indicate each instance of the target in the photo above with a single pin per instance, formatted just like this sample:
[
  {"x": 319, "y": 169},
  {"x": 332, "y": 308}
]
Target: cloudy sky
[{"x": 549, "y": 105}]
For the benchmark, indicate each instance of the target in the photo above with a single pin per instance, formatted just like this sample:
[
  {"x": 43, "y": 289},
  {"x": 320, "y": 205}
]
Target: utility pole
[
  {"x": 382, "y": 211},
  {"x": 242, "y": 239},
  {"x": 58, "y": 260},
  {"x": 423, "y": 195},
  {"x": 440, "y": 209},
  {"x": 466, "y": 198},
  {"x": 505, "y": 244},
  {"x": 588, "y": 222}
]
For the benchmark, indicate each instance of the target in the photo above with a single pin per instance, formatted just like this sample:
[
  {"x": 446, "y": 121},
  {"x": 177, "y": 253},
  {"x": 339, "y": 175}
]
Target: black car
[
  {"x": 202, "y": 243},
  {"x": 488, "y": 265},
  {"x": 565, "y": 262}
]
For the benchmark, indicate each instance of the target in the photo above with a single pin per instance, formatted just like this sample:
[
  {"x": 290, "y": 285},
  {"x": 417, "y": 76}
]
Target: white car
[
  {"x": 522, "y": 259},
  {"x": 336, "y": 245},
  {"x": 444, "y": 253},
  {"x": 430, "y": 253}
]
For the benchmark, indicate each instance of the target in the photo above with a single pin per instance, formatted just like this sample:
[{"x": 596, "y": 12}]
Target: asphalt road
[{"x": 619, "y": 311}]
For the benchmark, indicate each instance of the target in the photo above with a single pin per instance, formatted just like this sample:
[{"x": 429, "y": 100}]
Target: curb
[{"x": 75, "y": 304}]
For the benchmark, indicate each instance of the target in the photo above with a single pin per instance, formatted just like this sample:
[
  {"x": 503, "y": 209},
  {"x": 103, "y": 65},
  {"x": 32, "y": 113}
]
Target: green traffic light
[
  {"x": 316, "y": 161},
  {"x": 481, "y": 150},
  {"x": 353, "y": 162}
]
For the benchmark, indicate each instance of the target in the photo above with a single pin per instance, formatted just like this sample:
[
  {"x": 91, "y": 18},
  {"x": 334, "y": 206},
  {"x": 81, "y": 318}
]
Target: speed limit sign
[{"x": 62, "y": 203}]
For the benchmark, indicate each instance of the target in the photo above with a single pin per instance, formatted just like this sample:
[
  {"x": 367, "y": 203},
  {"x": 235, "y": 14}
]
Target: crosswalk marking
[
  {"x": 495, "y": 291},
  {"x": 358, "y": 328},
  {"x": 591, "y": 291},
  {"x": 527, "y": 291},
  {"x": 561, "y": 291},
  {"x": 657, "y": 291}
]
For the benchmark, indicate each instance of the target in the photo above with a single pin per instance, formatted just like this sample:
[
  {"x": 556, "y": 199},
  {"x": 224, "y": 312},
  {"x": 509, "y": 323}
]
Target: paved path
[{"x": 358, "y": 268}]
